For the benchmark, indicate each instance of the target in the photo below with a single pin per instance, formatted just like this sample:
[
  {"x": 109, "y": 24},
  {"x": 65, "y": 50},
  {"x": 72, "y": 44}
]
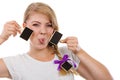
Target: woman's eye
[
  {"x": 49, "y": 25},
  {"x": 35, "y": 25}
]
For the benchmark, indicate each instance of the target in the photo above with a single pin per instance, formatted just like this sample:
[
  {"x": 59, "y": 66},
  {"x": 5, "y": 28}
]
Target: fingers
[
  {"x": 18, "y": 28},
  {"x": 70, "y": 40},
  {"x": 10, "y": 28},
  {"x": 63, "y": 41},
  {"x": 14, "y": 26},
  {"x": 72, "y": 43}
]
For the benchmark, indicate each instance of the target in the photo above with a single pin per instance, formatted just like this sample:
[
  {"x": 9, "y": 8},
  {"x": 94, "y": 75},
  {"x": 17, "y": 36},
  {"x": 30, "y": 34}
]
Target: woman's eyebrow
[{"x": 36, "y": 21}]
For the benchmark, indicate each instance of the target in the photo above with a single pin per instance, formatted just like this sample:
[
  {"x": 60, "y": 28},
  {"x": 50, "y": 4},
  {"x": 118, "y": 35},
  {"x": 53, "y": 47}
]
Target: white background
[{"x": 95, "y": 22}]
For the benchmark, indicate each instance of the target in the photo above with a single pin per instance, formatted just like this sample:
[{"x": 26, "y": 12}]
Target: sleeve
[
  {"x": 64, "y": 50},
  {"x": 10, "y": 63}
]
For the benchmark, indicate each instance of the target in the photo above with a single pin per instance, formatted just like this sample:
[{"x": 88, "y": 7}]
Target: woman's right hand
[{"x": 10, "y": 28}]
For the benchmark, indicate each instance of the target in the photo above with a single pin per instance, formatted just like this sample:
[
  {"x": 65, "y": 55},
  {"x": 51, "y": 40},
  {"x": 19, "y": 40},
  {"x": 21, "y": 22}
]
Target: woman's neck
[{"x": 42, "y": 54}]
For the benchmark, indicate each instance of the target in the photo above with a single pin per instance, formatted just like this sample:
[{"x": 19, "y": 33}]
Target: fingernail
[{"x": 62, "y": 41}]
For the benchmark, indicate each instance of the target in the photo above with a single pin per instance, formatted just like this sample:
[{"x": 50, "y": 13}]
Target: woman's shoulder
[
  {"x": 16, "y": 58},
  {"x": 64, "y": 50}
]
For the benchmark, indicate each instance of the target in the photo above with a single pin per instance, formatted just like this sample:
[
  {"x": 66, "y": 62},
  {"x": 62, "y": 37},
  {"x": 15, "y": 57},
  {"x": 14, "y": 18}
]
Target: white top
[{"x": 24, "y": 67}]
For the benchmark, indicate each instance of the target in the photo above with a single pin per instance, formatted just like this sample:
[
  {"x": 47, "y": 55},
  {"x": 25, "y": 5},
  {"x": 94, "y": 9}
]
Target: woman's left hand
[{"x": 72, "y": 43}]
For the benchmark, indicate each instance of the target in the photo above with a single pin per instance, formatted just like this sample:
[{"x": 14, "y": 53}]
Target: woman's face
[{"x": 42, "y": 30}]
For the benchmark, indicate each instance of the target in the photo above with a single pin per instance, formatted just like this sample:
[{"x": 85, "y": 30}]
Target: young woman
[{"x": 38, "y": 62}]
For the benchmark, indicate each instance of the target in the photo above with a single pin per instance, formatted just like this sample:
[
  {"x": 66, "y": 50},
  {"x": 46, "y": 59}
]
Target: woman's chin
[{"x": 41, "y": 47}]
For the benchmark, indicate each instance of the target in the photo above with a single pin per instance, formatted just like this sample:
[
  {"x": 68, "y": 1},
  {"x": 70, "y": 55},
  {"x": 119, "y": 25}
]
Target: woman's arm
[
  {"x": 3, "y": 70},
  {"x": 10, "y": 28},
  {"x": 2, "y": 40},
  {"x": 91, "y": 69}
]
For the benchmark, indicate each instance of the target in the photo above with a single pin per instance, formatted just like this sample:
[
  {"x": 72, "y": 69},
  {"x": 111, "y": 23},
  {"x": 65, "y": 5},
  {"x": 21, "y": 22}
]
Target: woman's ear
[{"x": 24, "y": 25}]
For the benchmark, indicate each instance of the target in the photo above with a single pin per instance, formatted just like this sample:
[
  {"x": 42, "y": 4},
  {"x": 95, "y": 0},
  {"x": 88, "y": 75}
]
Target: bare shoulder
[{"x": 3, "y": 69}]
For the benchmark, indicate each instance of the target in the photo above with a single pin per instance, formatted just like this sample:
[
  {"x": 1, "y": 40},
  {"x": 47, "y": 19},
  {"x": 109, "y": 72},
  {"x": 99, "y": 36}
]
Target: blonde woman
[{"x": 38, "y": 62}]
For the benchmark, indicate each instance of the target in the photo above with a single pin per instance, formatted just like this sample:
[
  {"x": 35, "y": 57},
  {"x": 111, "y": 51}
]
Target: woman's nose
[{"x": 42, "y": 30}]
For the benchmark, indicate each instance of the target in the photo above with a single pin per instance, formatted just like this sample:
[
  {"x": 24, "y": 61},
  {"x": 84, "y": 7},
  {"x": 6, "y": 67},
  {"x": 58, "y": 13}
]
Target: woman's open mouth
[{"x": 42, "y": 40}]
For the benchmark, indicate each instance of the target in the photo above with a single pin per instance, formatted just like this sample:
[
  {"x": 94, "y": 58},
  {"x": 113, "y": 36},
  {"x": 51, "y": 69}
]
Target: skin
[
  {"x": 39, "y": 40},
  {"x": 88, "y": 68}
]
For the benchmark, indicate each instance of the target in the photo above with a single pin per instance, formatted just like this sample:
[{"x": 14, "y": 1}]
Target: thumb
[
  {"x": 63, "y": 41},
  {"x": 19, "y": 30}
]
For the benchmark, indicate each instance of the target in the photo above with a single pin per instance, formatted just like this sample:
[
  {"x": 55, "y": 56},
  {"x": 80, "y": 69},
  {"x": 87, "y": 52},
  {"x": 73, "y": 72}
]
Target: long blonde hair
[{"x": 43, "y": 8}]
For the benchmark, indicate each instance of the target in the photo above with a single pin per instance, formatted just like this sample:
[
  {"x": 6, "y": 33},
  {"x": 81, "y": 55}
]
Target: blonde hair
[{"x": 42, "y": 8}]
